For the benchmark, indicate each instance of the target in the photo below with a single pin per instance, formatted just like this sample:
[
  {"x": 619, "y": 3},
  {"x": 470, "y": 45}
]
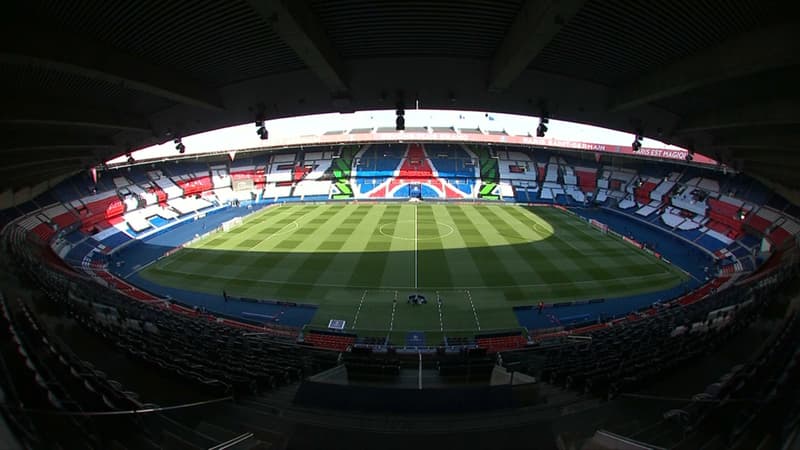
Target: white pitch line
[
  {"x": 391, "y": 321},
  {"x": 439, "y": 303},
  {"x": 474, "y": 311},
  {"x": 416, "y": 246},
  {"x": 355, "y": 320}
]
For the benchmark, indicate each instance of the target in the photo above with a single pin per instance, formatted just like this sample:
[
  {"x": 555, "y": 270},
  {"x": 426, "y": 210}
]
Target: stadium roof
[{"x": 82, "y": 81}]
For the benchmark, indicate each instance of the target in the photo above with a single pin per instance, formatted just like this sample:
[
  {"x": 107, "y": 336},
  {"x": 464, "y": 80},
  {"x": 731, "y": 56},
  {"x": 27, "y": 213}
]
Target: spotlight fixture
[
  {"x": 541, "y": 129},
  {"x": 261, "y": 130},
  {"x": 179, "y": 146},
  {"x": 130, "y": 158},
  {"x": 636, "y": 145},
  {"x": 690, "y": 153},
  {"x": 544, "y": 119},
  {"x": 400, "y": 122}
]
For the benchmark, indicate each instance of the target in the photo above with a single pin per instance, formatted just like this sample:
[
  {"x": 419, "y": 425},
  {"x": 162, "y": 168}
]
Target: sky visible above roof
[{"x": 245, "y": 136}]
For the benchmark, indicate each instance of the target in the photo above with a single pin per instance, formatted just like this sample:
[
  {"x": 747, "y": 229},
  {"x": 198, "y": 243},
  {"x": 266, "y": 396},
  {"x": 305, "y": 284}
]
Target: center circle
[{"x": 423, "y": 230}]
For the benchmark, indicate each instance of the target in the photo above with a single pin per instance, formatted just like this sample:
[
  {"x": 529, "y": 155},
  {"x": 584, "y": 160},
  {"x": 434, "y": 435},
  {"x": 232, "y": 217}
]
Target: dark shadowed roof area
[{"x": 84, "y": 80}]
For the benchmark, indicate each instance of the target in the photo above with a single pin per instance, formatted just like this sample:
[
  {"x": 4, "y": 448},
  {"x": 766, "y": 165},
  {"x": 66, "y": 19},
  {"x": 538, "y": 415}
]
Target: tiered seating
[
  {"x": 277, "y": 190},
  {"x": 501, "y": 341},
  {"x": 220, "y": 177},
  {"x": 246, "y": 175},
  {"x": 506, "y": 190},
  {"x": 784, "y": 232},
  {"x": 414, "y": 170},
  {"x": 416, "y": 164},
  {"x": 619, "y": 179},
  {"x": 710, "y": 418},
  {"x": 705, "y": 184},
  {"x": 140, "y": 219},
  {"x": 465, "y": 186},
  {"x": 575, "y": 192},
  {"x": 317, "y": 167},
  {"x": 195, "y": 182},
  {"x": 551, "y": 176},
  {"x": 649, "y": 209},
  {"x": 623, "y": 355},
  {"x": 587, "y": 178},
  {"x": 664, "y": 188},
  {"x": 195, "y": 186},
  {"x": 312, "y": 188},
  {"x": 726, "y": 216},
  {"x": 627, "y": 203},
  {"x": 60, "y": 216},
  {"x": 97, "y": 211},
  {"x": 364, "y": 186},
  {"x": 451, "y": 161},
  {"x": 165, "y": 184},
  {"x": 188, "y": 205},
  {"x": 567, "y": 173},
  {"x": 514, "y": 165},
  {"x": 281, "y": 168},
  {"x": 762, "y": 219},
  {"x": 690, "y": 199},
  {"x": 333, "y": 341},
  {"x": 643, "y": 191},
  {"x": 378, "y": 160},
  {"x": 680, "y": 219},
  {"x": 39, "y": 228}
]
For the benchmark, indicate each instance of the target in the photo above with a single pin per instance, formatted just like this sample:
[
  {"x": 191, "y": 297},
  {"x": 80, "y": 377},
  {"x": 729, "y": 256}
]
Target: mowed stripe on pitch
[{"x": 329, "y": 253}]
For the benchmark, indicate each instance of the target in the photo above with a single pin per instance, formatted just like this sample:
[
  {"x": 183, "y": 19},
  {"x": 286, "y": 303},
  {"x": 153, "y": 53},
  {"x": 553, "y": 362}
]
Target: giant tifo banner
[{"x": 673, "y": 153}]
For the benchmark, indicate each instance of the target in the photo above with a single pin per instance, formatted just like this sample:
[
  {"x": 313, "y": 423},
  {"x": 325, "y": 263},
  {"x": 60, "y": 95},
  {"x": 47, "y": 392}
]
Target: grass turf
[{"x": 360, "y": 262}]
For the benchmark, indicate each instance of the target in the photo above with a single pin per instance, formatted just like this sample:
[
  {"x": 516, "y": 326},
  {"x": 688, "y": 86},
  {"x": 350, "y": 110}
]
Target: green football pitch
[{"x": 359, "y": 263}]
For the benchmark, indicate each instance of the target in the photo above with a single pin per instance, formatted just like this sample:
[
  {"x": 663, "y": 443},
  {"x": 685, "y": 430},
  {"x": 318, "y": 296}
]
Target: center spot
[{"x": 409, "y": 230}]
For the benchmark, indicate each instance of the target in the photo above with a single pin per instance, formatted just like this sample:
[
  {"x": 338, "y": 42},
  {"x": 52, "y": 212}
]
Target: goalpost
[{"x": 232, "y": 223}]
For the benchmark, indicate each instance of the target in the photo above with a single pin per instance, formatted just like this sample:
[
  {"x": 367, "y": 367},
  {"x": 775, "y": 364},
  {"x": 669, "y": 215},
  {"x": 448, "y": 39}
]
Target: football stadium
[{"x": 302, "y": 225}]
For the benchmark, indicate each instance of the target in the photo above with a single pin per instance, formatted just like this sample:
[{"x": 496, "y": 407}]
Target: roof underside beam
[
  {"x": 34, "y": 45},
  {"x": 300, "y": 29},
  {"x": 769, "y": 168},
  {"x": 778, "y": 112},
  {"x": 57, "y": 165},
  {"x": 536, "y": 24},
  {"x": 758, "y": 51},
  {"x": 23, "y": 113},
  {"x": 766, "y": 141},
  {"x": 55, "y": 143}
]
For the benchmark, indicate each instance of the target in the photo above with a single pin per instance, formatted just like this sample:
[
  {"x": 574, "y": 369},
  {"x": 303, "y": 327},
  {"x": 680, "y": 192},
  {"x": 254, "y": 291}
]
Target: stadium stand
[
  {"x": 647, "y": 206},
  {"x": 607, "y": 356}
]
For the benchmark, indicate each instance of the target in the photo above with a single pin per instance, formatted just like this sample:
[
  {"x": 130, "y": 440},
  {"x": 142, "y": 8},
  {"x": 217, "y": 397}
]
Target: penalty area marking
[{"x": 286, "y": 229}]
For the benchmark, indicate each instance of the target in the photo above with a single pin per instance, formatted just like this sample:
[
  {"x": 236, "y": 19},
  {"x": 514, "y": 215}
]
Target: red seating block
[
  {"x": 643, "y": 192},
  {"x": 759, "y": 223},
  {"x": 100, "y": 211},
  {"x": 587, "y": 180},
  {"x": 195, "y": 186},
  {"x": 501, "y": 343},
  {"x": 778, "y": 236},
  {"x": 330, "y": 341}
]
